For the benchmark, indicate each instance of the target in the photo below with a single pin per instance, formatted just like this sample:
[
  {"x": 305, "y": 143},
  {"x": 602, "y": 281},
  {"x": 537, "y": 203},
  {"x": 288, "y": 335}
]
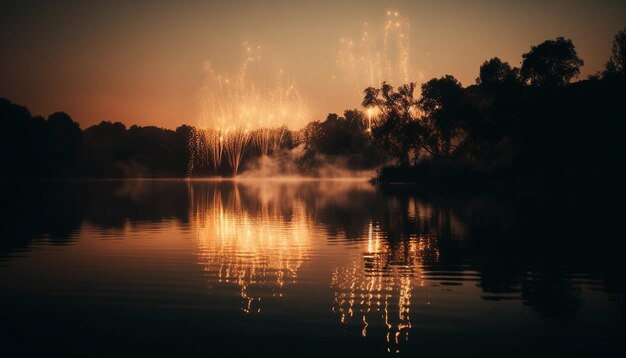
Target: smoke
[
  {"x": 281, "y": 164},
  {"x": 133, "y": 169},
  {"x": 296, "y": 163}
]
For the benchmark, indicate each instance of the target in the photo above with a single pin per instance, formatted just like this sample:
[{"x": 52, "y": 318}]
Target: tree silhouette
[
  {"x": 63, "y": 145},
  {"x": 617, "y": 62},
  {"x": 13, "y": 137},
  {"x": 372, "y": 97},
  {"x": 35, "y": 147},
  {"x": 551, "y": 63},
  {"x": 394, "y": 130},
  {"x": 495, "y": 71},
  {"x": 440, "y": 104},
  {"x": 339, "y": 137}
]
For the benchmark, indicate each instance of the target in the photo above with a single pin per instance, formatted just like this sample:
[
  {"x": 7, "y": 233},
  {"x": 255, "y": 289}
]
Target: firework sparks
[
  {"x": 254, "y": 107},
  {"x": 380, "y": 54}
]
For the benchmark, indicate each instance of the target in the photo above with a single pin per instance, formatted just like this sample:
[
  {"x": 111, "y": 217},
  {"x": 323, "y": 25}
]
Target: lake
[{"x": 310, "y": 267}]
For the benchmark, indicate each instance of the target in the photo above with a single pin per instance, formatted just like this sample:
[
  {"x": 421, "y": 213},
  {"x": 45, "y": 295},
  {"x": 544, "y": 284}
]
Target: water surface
[{"x": 170, "y": 268}]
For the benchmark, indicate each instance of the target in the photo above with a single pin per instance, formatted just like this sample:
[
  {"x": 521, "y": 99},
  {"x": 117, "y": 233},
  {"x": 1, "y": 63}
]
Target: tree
[
  {"x": 63, "y": 145},
  {"x": 442, "y": 118},
  {"x": 617, "y": 62},
  {"x": 551, "y": 63},
  {"x": 495, "y": 71},
  {"x": 35, "y": 147},
  {"x": 394, "y": 129},
  {"x": 14, "y": 120},
  {"x": 355, "y": 120}
]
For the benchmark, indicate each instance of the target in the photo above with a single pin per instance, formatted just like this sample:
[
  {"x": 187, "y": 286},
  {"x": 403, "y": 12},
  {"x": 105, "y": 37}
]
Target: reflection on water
[
  {"x": 329, "y": 265},
  {"x": 256, "y": 248},
  {"x": 378, "y": 282}
]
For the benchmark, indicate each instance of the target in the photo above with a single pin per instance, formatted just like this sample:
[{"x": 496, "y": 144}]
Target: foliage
[
  {"x": 495, "y": 72},
  {"x": 339, "y": 137},
  {"x": 33, "y": 147},
  {"x": 394, "y": 127},
  {"x": 551, "y": 63},
  {"x": 617, "y": 62}
]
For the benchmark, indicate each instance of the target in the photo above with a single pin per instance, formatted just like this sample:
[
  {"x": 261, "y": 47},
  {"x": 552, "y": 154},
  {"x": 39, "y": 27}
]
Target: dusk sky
[{"x": 144, "y": 62}]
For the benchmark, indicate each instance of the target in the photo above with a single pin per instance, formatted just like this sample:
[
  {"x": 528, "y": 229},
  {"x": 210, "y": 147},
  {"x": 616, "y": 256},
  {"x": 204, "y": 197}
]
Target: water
[{"x": 171, "y": 268}]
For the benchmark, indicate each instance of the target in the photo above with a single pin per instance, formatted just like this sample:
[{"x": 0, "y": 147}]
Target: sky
[{"x": 149, "y": 62}]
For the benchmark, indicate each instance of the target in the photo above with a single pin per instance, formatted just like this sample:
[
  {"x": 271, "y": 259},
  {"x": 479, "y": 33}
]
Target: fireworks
[
  {"x": 378, "y": 55},
  {"x": 254, "y": 107}
]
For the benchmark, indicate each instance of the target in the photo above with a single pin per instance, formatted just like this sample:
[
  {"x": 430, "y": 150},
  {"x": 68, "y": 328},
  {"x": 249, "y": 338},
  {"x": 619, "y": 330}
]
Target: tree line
[
  {"x": 527, "y": 122},
  {"x": 530, "y": 121},
  {"x": 56, "y": 147}
]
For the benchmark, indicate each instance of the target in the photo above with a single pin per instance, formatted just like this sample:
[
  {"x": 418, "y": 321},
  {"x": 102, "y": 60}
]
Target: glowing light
[
  {"x": 370, "y": 113},
  {"x": 378, "y": 284},
  {"x": 258, "y": 251},
  {"x": 381, "y": 55},
  {"x": 253, "y": 108},
  {"x": 372, "y": 116}
]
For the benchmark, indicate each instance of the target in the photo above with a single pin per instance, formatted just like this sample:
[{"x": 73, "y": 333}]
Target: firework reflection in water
[
  {"x": 257, "y": 248},
  {"x": 377, "y": 285}
]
